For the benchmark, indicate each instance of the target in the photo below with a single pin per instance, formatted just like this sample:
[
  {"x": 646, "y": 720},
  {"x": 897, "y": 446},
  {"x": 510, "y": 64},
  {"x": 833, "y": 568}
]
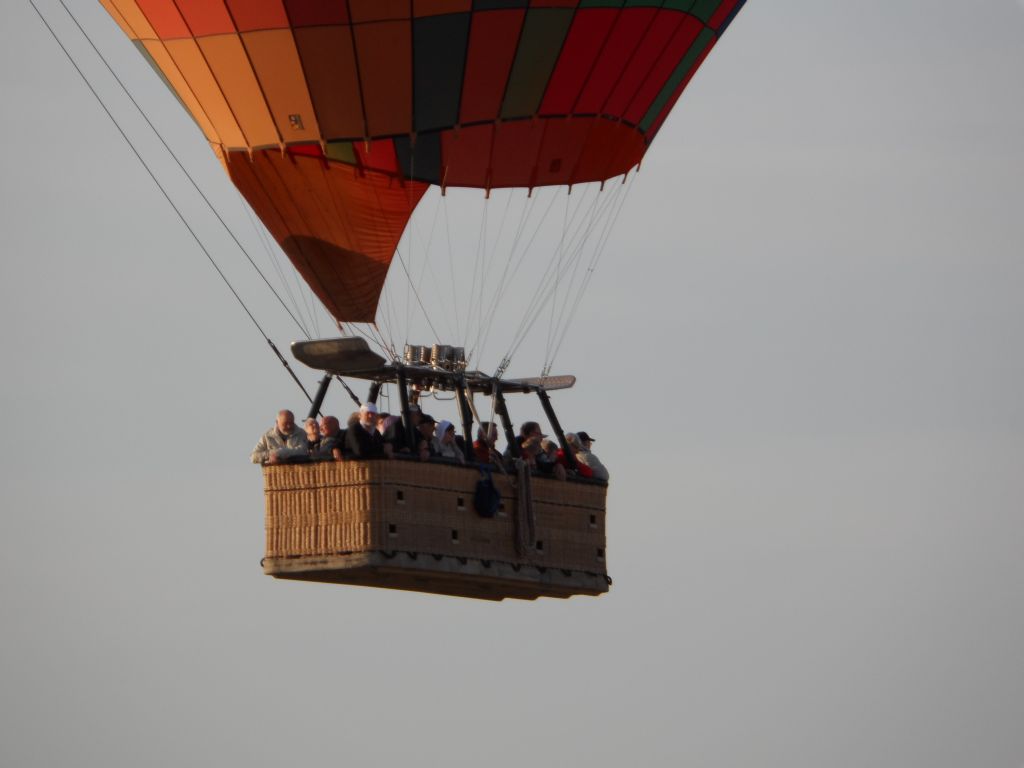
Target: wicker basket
[{"x": 411, "y": 525}]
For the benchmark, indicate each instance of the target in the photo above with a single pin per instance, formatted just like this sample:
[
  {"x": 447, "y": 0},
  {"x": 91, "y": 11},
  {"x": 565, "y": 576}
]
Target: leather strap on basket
[{"x": 525, "y": 520}]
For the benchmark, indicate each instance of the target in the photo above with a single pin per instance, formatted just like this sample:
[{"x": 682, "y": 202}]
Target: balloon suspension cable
[
  {"x": 174, "y": 157},
  {"x": 544, "y": 294},
  {"x": 355, "y": 398},
  {"x": 472, "y": 407},
  {"x": 502, "y": 367},
  {"x": 603, "y": 239},
  {"x": 408, "y": 276},
  {"x": 288, "y": 368},
  {"x": 506, "y": 277},
  {"x": 264, "y": 239},
  {"x": 575, "y": 248},
  {"x": 167, "y": 196}
]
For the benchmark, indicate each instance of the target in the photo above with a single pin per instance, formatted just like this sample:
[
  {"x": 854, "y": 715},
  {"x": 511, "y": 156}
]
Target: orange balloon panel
[{"x": 339, "y": 225}]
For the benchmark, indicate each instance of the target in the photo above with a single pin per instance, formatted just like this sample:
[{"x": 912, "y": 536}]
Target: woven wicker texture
[{"x": 335, "y": 508}]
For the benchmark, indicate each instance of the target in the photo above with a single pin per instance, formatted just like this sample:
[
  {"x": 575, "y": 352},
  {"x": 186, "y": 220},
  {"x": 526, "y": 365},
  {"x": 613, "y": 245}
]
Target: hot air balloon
[{"x": 333, "y": 118}]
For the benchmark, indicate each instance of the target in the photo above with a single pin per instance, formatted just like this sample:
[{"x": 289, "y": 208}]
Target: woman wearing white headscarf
[{"x": 444, "y": 442}]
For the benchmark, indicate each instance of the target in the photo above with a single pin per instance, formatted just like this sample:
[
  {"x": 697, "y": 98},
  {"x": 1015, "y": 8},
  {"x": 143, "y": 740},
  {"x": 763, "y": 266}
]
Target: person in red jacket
[
  {"x": 589, "y": 465},
  {"x": 483, "y": 447},
  {"x": 582, "y": 470}
]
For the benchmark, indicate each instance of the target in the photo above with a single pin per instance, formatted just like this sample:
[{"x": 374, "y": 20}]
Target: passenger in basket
[
  {"x": 332, "y": 439},
  {"x": 415, "y": 415},
  {"x": 581, "y": 469},
  {"x": 392, "y": 433},
  {"x": 362, "y": 440},
  {"x": 530, "y": 450},
  {"x": 526, "y": 431},
  {"x": 445, "y": 445},
  {"x": 425, "y": 442},
  {"x": 547, "y": 460},
  {"x": 483, "y": 446},
  {"x": 281, "y": 442},
  {"x": 581, "y": 443},
  {"x": 312, "y": 435}
]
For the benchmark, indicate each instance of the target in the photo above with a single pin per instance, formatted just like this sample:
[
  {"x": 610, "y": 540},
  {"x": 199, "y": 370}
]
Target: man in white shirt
[{"x": 281, "y": 441}]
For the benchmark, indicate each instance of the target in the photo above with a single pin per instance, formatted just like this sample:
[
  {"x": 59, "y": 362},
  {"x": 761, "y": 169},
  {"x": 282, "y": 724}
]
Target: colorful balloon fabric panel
[{"x": 319, "y": 105}]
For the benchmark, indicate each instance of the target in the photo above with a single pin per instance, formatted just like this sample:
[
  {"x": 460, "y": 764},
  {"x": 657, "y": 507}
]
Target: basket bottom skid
[{"x": 443, "y": 575}]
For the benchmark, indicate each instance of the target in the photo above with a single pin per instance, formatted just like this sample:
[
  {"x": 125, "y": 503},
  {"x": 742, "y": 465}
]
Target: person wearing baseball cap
[
  {"x": 425, "y": 438},
  {"x": 580, "y": 443}
]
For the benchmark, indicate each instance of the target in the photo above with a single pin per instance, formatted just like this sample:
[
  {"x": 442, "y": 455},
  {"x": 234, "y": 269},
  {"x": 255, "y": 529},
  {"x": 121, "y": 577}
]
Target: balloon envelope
[{"x": 333, "y": 116}]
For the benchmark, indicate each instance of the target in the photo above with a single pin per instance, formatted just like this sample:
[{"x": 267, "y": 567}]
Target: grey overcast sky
[{"x": 802, "y": 356}]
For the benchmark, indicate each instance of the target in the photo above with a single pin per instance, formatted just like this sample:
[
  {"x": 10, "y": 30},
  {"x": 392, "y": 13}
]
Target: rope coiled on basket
[{"x": 525, "y": 519}]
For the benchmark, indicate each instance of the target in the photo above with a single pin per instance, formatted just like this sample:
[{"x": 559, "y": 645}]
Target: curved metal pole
[
  {"x": 570, "y": 456},
  {"x": 510, "y": 437},
  {"x": 321, "y": 393},
  {"x": 403, "y": 398},
  {"x": 467, "y": 419}
]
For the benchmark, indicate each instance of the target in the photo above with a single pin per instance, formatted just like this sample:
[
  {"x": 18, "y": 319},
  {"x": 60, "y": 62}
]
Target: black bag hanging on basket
[{"x": 486, "y": 497}]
